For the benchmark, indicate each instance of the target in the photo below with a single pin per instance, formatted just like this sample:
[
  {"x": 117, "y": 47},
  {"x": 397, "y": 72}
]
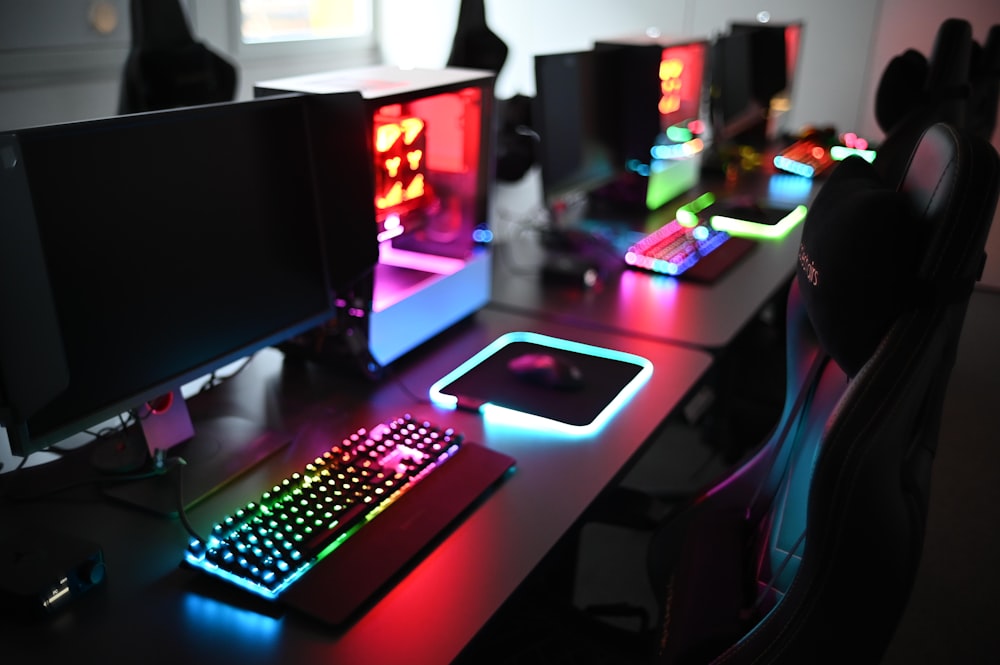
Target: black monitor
[
  {"x": 576, "y": 122},
  {"x": 768, "y": 59},
  {"x": 773, "y": 58},
  {"x": 736, "y": 114},
  {"x": 158, "y": 247}
]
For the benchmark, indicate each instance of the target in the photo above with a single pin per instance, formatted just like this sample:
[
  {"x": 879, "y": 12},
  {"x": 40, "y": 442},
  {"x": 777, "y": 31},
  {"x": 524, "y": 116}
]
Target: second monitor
[{"x": 620, "y": 124}]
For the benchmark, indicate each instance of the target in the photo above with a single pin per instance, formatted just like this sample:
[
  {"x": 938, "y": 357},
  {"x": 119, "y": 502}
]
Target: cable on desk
[
  {"x": 215, "y": 379},
  {"x": 181, "y": 511}
]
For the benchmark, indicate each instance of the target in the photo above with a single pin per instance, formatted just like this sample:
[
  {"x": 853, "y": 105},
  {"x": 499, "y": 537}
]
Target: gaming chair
[
  {"x": 166, "y": 66},
  {"x": 807, "y": 552},
  {"x": 915, "y": 92},
  {"x": 475, "y": 45},
  {"x": 985, "y": 80}
]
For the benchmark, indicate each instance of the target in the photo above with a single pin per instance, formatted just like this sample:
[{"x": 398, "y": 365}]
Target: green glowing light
[
  {"x": 679, "y": 134},
  {"x": 748, "y": 229},
  {"x": 840, "y": 152},
  {"x": 687, "y": 214}
]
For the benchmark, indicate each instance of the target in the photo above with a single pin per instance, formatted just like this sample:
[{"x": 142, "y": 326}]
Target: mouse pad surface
[{"x": 606, "y": 377}]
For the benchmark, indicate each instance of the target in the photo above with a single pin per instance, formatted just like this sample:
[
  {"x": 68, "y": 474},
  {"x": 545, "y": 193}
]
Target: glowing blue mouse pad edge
[{"x": 485, "y": 383}]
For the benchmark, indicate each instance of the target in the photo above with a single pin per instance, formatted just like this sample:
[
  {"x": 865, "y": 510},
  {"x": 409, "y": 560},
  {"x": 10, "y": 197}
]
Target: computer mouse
[{"x": 547, "y": 370}]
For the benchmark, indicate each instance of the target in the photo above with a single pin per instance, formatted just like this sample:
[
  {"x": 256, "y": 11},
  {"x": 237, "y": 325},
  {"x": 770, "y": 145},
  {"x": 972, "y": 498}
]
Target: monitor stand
[{"x": 217, "y": 451}]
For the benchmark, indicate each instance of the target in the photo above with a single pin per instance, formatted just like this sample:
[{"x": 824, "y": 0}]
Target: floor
[{"x": 954, "y": 612}]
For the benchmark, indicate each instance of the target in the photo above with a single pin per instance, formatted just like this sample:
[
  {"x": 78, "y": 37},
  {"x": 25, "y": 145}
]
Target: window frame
[
  {"x": 298, "y": 48},
  {"x": 75, "y": 61}
]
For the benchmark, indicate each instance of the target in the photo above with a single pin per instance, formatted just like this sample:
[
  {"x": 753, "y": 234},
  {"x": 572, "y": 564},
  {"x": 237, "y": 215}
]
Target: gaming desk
[
  {"x": 153, "y": 610},
  {"x": 700, "y": 315}
]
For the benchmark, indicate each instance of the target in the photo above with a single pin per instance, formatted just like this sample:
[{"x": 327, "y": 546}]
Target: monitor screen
[
  {"x": 174, "y": 243},
  {"x": 576, "y": 121},
  {"x": 768, "y": 59}
]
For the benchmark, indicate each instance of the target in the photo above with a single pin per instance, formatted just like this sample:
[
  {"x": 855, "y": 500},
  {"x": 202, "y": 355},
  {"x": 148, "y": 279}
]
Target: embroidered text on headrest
[{"x": 808, "y": 267}]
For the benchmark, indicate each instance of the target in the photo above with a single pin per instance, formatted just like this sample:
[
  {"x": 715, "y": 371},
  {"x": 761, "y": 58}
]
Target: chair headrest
[
  {"x": 900, "y": 88},
  {"x": 159, "y": 24},
  {"x": 948, "y": 63},
  {"x": 858, "y": 260}
]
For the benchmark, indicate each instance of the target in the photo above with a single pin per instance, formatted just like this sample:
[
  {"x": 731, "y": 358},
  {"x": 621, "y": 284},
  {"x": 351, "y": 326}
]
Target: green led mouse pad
[{"x": 592, "y": 382}]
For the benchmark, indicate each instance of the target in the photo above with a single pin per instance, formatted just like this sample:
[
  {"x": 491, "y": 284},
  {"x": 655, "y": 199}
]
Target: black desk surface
[
  {"x": 155, "y": 611},
  {"x": 706, "y": 316}
]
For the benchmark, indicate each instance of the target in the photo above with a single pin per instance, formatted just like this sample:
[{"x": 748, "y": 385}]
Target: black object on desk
[{"x": 41, "y": 571}]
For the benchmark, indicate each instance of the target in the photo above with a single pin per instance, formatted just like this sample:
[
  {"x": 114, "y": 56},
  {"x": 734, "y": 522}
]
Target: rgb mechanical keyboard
[
  {"x": 805, "y": 157},
  {"x": 673, "y": 249},
  {"x": 274, "y": 540}
]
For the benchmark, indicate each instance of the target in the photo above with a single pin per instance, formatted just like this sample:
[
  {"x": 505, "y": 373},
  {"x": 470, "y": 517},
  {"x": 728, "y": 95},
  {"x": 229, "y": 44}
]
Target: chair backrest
[
  {"x": 985, "y": 84},
  {"x": 807, "y": 553},
  {"x": 166, "y": 66},
  {"x": 475, "y": 45},
  {"x": 905, "y": 105}
]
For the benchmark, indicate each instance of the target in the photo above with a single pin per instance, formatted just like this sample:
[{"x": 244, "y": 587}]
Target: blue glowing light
[
  {"x": 499, "y": 414},
  {"x": 792, "y": 166},
  {"x": 788, "y": 187},
  {"x": 636, "y": 166}
]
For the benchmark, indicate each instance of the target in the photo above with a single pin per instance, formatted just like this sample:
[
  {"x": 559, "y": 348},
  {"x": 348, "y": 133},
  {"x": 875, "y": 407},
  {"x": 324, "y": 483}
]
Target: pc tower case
[{"x": 432, "y": 149}]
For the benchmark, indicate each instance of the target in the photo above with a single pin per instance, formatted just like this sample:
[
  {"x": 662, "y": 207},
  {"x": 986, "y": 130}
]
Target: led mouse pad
[{"x": 595, "y": 381}]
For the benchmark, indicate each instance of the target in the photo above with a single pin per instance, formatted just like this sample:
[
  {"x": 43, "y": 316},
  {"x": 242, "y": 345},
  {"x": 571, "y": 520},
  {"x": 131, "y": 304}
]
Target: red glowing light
[
  {"x": 680, "y": 83},
  {"x": 160, "y": 405},
  {"x": 818, "y": 152},
  {"x": 400, "y": 145},
  {"x": 852, "y": 140}
]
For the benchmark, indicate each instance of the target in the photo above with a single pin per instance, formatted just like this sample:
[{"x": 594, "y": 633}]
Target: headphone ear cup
[{"x": 901, "y": 88}]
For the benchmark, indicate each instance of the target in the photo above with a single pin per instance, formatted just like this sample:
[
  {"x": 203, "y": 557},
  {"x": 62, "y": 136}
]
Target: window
[
  {"x": 302, "y": 27},
  {"x": 267, "y": 21}
]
